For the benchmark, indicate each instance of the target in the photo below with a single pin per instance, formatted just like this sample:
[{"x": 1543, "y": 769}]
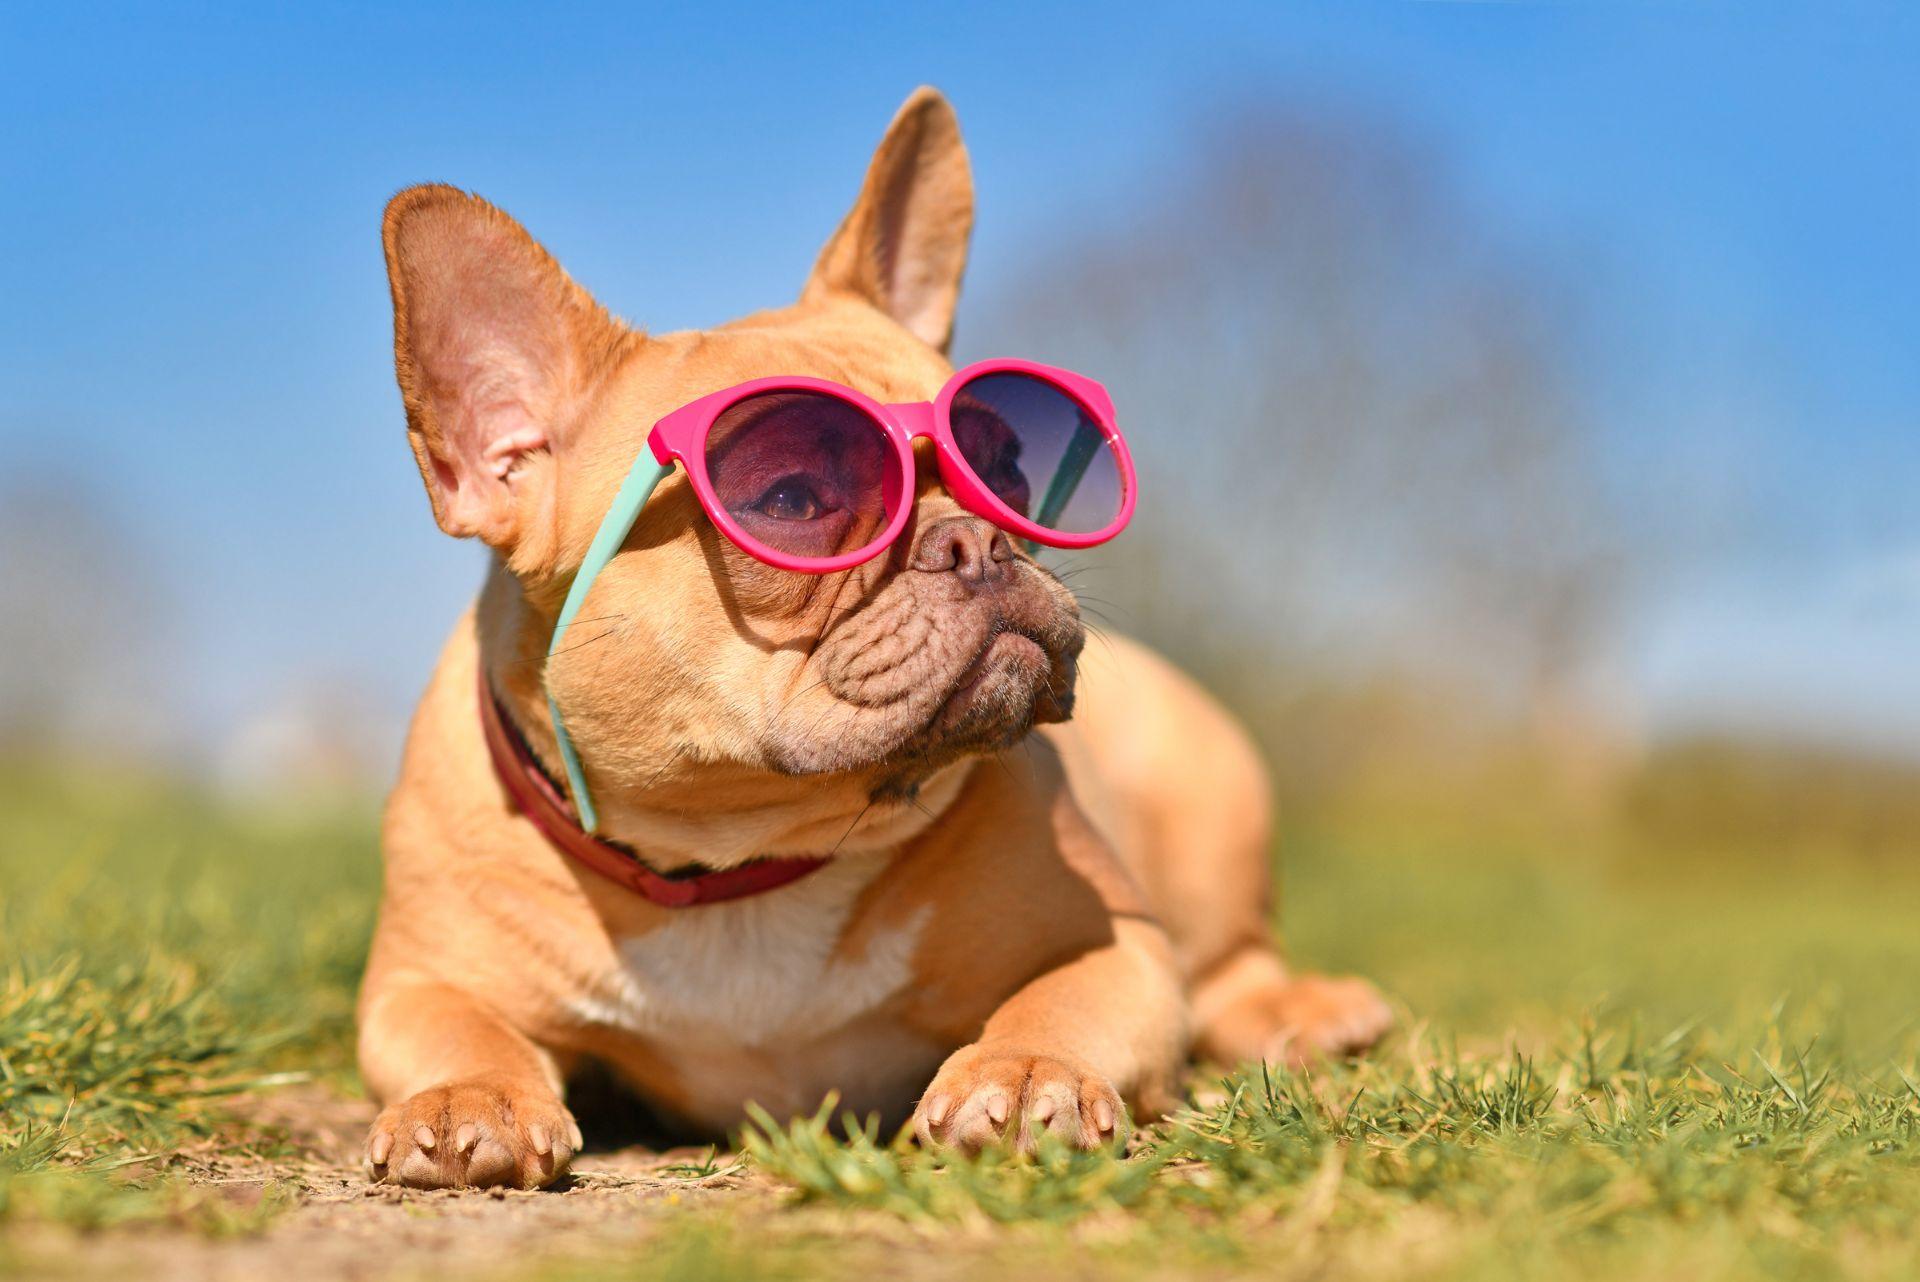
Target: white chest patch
[{"x": 751, "y": 971}]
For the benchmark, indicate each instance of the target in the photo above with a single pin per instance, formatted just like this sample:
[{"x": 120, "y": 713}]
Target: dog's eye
[{"x": 791, "y": 498}]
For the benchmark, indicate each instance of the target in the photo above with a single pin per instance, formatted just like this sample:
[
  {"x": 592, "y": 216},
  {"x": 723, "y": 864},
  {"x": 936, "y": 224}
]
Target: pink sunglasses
[{"x": 813, "y": 476}]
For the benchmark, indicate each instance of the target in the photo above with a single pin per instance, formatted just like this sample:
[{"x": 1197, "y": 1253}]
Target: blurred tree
[
  {"x": 79, "y": 624},
  {"x": 1368, "y": 487}
]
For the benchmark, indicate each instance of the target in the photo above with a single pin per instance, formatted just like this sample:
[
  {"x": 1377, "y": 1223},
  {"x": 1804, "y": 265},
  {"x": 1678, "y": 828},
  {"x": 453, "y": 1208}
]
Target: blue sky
[{"x": 197, "y": 319}]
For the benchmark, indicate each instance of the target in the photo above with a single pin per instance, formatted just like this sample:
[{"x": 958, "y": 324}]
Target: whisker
[
  {"x": 542, "y": 658},
  {"x": 1000, "y": 759},
  {"x": 598, "y": 618},
  {"x": 1100, "y": 635},
  {"x": 850, "y": 827},
  {"x": 799, "y": 694},
  {"x": 672, "y": 761}
]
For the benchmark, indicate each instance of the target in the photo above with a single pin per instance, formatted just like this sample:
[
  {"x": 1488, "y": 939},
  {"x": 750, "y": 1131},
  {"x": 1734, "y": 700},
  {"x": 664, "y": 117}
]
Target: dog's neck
[
  {"x": 669, "y": 811},
  {"x": 688, "y": 801},
  {"x": 811, "y": 816},
  {"x": 537, "y": 795}
]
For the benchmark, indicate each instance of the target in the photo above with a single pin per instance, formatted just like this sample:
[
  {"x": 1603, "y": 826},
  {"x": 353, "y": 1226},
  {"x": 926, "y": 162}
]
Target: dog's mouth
[
  {"x": 928, "y": 672},
  {"x": 1007, "y": 662}
]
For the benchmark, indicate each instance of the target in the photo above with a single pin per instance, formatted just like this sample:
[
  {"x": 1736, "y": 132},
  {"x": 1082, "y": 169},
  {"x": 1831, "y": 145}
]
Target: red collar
[{"x": 540, "y": 800}]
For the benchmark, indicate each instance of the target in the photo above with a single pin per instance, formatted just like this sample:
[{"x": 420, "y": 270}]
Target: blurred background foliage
[{"x": 1381, "y": 515}]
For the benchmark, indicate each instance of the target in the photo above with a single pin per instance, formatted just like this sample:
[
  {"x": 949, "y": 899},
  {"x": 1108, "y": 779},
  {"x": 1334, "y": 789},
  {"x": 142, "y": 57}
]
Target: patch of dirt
[{"x": 342, "y": 1227}]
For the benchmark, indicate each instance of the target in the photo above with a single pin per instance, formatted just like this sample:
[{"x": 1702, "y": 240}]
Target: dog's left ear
[{"x": 904, "y": 245}]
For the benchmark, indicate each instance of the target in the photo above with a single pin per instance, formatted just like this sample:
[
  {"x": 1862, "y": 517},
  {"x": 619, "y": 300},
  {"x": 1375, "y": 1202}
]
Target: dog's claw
[
  {"x": 423, "y": 1137},
  {"x": 465, "y": 1138},
  {"x": 381, "y": 1147}
]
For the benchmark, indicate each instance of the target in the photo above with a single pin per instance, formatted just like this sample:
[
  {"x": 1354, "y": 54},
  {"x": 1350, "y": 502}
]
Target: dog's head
[{"x": 527, "y": 403}]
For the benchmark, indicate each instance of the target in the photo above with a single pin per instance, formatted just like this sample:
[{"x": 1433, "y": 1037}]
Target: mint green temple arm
[
  {"x": 642, "y": 480},
  {"x": 1081, "y": 447}
]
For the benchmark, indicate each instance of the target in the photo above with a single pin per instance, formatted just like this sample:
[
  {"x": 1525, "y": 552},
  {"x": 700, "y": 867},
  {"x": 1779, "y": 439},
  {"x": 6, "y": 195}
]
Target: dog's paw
[
  {"x": 986, "y": 1094},
  {"x": 475, "y": 1133},
  {"x": 1324, "y": 1016}
]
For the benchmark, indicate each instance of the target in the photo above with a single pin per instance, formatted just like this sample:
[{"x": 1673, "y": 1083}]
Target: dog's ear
[
  {"x": 904, "y": 245},
  {"x": 497, "y": 353}
]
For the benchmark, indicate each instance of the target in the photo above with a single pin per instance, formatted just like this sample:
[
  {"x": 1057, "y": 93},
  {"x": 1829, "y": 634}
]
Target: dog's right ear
[{"x": 498, "y": 352}]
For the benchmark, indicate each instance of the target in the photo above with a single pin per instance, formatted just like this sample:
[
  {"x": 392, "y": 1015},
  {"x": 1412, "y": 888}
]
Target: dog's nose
[{"x": 967, "y": 546}]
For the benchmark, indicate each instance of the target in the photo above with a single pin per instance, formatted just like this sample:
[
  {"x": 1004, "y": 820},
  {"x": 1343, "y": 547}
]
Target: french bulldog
[{"x": 1036, "y": 879}]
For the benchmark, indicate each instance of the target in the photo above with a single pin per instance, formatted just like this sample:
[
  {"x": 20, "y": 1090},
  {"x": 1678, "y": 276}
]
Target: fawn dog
[{"x": 931, "y": 891}]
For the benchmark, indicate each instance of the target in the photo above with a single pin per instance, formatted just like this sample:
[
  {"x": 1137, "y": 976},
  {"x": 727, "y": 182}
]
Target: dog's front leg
[
  {"x": 471, "y": 1102},
  {"x": 1068, "y": 1052}
]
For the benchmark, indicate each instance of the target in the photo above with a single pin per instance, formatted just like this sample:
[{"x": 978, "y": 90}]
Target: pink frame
[{"x": 682, "y": 436}]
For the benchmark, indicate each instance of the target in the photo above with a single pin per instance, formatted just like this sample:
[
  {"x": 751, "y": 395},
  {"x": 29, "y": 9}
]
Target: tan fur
[{"x": 1016, "y": 927}]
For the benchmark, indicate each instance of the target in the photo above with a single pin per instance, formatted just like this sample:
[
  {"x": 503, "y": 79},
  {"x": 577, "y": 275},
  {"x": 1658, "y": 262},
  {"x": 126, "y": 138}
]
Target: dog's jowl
[{"x": 775, "y": 820}]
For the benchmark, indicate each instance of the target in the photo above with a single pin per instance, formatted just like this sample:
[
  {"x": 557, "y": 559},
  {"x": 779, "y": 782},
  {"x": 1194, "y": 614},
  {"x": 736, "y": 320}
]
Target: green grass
[
  {"x": 1601, "y": 1140},
  {"x": 1620, "y": 1062},
  {"x": 158, "y": 952}
]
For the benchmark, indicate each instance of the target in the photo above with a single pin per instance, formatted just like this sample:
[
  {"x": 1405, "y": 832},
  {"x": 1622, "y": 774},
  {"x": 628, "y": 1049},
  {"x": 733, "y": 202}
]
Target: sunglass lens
[
  {"x": 1036, "y": 447},
  {"x": 804, "y": 473}
]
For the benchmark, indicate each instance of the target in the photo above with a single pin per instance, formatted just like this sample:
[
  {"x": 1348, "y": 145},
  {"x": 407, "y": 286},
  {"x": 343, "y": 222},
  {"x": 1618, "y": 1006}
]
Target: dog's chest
[{"x": 759, "y": 971}]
